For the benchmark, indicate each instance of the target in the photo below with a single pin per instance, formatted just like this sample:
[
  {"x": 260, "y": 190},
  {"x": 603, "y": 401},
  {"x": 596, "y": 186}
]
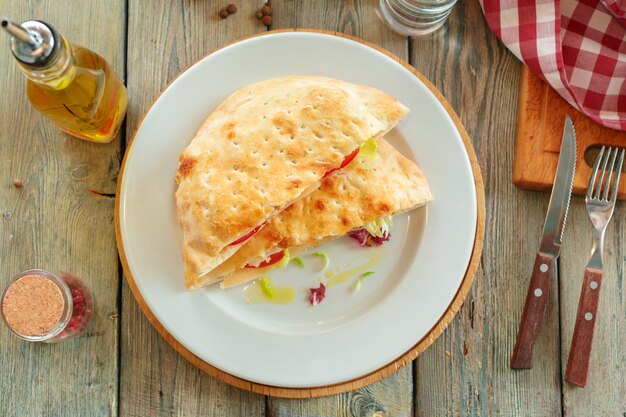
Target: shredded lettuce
[
  {"x": 325, "y": 257},
  {"x": 266, "y": 286},
  {"x": 285, "y": 261},
  {"x": 380, "y": 227},
  {"x": 357, "y": 284},
  {"x": 298, "y": 262},
  {"x": 369, "y": 149}
]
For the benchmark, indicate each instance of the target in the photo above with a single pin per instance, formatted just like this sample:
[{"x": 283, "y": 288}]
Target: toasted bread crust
[
  {"x": 261, "y": 149},
  {"x": 348, "y": 199}
]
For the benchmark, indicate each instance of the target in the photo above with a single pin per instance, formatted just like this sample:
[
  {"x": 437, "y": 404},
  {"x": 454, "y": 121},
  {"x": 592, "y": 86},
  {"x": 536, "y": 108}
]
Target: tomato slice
[
  {"x": 247, "y": 235},
  {"x": 276, "y": 257},
  {"x": 345, "y": 162},
  {"x": 251, "y": 233}
]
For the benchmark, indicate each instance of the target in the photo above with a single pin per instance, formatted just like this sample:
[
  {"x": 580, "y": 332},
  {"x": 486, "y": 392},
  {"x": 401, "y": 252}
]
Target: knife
[{"x": 549, "y": 249}]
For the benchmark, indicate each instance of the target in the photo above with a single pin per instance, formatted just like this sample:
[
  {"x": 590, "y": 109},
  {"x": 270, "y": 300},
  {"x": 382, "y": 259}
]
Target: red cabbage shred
[
  {"x": 366, "y": 239},
  {"x": 317, "y": 294}
]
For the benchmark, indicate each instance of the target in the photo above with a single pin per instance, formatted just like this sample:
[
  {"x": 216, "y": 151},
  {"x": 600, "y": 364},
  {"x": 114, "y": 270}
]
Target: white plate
[{"x": 350, "y": 333}]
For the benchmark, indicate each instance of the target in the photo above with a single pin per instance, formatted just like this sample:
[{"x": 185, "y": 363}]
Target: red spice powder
[{"x": 32, "y": 305}]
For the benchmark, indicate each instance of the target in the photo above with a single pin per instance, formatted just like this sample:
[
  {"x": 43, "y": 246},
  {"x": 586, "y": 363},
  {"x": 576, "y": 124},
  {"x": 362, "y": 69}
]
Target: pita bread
[
  {"x": 264, "y": 147},
  {"x": 364, "y": 191}
]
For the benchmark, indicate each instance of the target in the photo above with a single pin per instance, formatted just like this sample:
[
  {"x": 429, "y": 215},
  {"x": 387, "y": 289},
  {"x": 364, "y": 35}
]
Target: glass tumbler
[
  {"x": 39, "y": 306},
  {"x": 415, "y": 17}
]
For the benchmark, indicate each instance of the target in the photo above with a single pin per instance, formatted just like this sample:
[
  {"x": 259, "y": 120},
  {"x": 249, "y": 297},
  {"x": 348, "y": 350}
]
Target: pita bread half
[
  {"x": 264, "y": 147},
  {"x": 364, "y": 191}
]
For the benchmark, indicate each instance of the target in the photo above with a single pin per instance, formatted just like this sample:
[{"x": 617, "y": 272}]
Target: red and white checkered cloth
[{"x": 577, "y": 46}]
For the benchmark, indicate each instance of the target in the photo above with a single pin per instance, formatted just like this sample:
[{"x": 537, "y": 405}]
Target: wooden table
[{"x": 62, "y": 219}]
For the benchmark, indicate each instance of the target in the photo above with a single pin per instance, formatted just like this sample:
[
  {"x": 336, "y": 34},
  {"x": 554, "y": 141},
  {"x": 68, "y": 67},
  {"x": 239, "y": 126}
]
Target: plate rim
[{"x": 391, "y": 367}]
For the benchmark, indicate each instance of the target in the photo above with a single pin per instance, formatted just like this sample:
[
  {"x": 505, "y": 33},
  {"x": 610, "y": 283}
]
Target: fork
[{"x": 600, "y": 207}]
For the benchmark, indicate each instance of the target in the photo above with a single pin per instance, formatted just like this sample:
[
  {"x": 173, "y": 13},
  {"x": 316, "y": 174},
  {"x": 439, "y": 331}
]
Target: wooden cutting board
[{"x": 541, "y": 116}]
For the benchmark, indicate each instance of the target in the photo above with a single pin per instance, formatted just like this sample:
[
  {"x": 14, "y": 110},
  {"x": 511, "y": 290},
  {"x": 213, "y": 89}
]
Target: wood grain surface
[
  {"x": 577, "y": 368},
  {"x": 54, "y": 222},
  {"x": 464, "y": 373},
  {"x": 541, "y": 116},
  {"x": 163, "y": 39},
  {"x": 534, "y": 311}
]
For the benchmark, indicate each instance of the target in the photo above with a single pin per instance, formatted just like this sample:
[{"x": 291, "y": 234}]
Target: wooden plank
[
  {"x": 605, "y": 392},
  {"x": 55, "y": 223},
  {"x": 541, "y": 113},
  {"x": 163, "y": 39},
  {"x": 355, "y": 18},
  {"x": 391, "y": 396},
  {"x": 466, "y": 372}
]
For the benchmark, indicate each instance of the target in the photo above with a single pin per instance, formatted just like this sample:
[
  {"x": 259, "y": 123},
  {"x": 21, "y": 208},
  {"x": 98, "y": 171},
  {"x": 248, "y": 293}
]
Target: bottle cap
[{"x": 33, "y": 42}]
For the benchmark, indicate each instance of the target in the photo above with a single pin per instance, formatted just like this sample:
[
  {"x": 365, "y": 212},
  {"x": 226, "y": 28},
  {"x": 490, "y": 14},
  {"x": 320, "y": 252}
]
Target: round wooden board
[{"x": 399, "y": 362}]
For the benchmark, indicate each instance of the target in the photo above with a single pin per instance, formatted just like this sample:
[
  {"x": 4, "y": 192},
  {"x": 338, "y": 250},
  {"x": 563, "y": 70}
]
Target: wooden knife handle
[
  {"x": 580, "y": 350},
  {"x": 534, "y": 312}
]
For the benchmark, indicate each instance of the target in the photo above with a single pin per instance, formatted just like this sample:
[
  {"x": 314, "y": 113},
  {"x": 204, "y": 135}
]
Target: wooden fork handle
[
  {"x": 580, "y": 350},
  {"x": 534, "y": 311}
]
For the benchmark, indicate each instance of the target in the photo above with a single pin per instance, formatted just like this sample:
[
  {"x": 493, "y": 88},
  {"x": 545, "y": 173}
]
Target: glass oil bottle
[{"x": 72, "y": 86}]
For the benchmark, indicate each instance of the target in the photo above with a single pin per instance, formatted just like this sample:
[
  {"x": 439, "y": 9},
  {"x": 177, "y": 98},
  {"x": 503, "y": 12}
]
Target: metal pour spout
[
  {"x": 21, "y": 34},
  {"x": 33, "y": 42}
]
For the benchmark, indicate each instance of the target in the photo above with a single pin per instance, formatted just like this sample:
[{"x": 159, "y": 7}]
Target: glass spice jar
[
  {"x": 39, "y": 306},
  {"x": 415, "y": 17}
]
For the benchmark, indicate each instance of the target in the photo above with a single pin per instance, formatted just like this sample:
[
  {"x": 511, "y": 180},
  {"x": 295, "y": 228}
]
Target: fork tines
[{"x": 606, "y": 185}]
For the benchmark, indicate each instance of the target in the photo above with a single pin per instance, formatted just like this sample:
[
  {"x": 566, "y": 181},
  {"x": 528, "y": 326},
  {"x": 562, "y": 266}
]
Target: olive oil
[
  {"x": 89, "y": 102},
  {"x": 255, "y": 293},
  {"x": 373, "y": 259},
  {"x": 72, "y": 86}
]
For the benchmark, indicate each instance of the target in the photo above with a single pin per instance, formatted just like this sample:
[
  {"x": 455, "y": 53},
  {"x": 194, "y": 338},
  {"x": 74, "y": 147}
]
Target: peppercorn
[
  {"x": 231, "y": 8},
  {"x": 267, "y": 20},
  {"x": 259, "y": 15},
  {"x": 266, "y": 10},
  {"x": 17, "y": 183},
  {"x": 223, "y": 14}
]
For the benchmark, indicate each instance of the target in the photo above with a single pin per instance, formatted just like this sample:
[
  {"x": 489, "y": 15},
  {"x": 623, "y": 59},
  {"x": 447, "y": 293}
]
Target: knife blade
[
  {"x": 561, "y": 193},
  {"x": 549, "y": 250}
]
